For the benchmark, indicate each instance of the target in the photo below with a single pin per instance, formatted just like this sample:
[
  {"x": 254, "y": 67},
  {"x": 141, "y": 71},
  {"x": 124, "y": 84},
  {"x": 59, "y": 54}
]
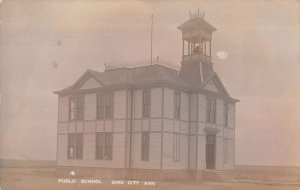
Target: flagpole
[{"x": 151, "y": 37}]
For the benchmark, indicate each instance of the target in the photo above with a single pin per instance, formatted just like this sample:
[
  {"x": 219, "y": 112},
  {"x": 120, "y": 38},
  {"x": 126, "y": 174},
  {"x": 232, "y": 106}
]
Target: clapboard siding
[
  {"x": 63, "y": 108},
  {"x": 161, "y": 124}
]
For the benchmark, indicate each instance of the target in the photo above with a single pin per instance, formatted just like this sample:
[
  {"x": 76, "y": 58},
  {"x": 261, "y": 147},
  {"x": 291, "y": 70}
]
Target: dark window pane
[
  {"x": 80, "y": 108},
  {"x": 104, "y": 146},
  {"x": 72, "y": 108},
  {"x": 145, "y": 146},
  {"x": 225, "y": 115},
  {"x": 79, "y": 146},
  {"x": 100, "y": 106},
  {"x": 208, "y": 116},
  {"x": 100, "y": 146},
  {"x": 177, "y": 106},
  {"x": 109, "y": 105},
  {"x": 176, "y": 146},
  {"x": 108, "y": 152},
  {"x": 71, "y": 146},
  {"x": 146, "y": 104}
]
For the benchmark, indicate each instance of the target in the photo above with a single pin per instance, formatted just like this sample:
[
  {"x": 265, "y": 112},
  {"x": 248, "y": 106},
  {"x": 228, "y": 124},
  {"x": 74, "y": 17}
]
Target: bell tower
[{"x": 196, "y": 64}]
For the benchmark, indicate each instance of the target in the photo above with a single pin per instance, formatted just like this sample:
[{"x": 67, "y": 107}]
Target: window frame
[
  {"x": 107, "y": 106},
  {"x": 75, "y": 155},
  {"x": 100, "y": 99},
  {"x": 225, "y": 114},
  {"x": 78, "y": 105},
  {"x": 225, "y": 150},
  {"x": 104, "y": 146},
  {"x": 177, "y": 108},
  {"x": 146, "y": 104},
  {"x": 145, "y": 148},
  {"x": 176, "y": 147},
  {"x": 211, "y": 110}
]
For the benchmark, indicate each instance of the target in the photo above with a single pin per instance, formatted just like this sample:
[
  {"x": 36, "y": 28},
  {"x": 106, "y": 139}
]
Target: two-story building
[{"x": 151, "y": 117}]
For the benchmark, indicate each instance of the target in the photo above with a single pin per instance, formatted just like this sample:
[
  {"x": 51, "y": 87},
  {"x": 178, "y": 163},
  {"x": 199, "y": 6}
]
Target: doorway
[{"x": 210, "y": 151}]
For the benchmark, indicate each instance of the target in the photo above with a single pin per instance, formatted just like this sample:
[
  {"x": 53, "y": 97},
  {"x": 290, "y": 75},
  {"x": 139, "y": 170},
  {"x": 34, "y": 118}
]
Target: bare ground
[{"x": 46, "y": 179}]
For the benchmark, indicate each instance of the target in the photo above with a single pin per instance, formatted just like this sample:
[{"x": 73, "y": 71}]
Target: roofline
[
  {"x": 172, "y": 85},
  {"x": 207, "y": 24}
]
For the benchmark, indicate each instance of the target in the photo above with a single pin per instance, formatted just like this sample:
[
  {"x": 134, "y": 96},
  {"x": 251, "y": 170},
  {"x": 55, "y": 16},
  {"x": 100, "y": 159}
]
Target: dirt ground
[{"x": 46, "y": 179}]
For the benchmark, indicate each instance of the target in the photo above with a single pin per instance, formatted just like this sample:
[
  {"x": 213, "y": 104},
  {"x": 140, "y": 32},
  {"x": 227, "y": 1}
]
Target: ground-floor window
[
  {"x": 104, "y": 146},
  {"x": 145, "y": 145},
  {"x": 225, "y": 150},
  {"x": 75, "y": 146},
  {"x": 176, "y": 147}
]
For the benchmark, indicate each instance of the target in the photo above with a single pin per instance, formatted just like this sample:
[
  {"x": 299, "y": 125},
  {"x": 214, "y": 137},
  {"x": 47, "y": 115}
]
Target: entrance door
[{"x": 210, "y": 151}]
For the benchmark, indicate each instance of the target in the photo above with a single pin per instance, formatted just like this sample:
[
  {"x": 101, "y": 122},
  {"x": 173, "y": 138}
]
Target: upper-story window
[
  {"x": 105, "y": 104},
  {"x": 225, "y": 111},
  {"x": 177, "y": 106},
  {"x": 211, "y": 109},
  {"x": 76, "y": 109},
  {"x": 146, "y": 104}
]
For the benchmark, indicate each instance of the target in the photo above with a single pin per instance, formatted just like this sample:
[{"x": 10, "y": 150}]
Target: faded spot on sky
[
  {"x": 54, "y": 65},
  {"x": 222, "y": 54}
]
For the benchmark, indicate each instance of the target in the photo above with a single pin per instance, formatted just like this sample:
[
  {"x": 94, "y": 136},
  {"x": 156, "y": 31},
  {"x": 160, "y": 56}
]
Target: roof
[
  {"x": 131, "y": 76},
  {"x": 196, "y": 23},
  {"x": 149, "y": 74}
]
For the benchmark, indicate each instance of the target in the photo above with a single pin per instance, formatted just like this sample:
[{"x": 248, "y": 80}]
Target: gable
[
  {"x": 89, "y": 83},
  {"x": 214, "y": 84},
  {"x": 211, "y": 86}
]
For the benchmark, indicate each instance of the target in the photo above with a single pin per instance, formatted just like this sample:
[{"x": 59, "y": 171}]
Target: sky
[{"x": 47, "y": 45}]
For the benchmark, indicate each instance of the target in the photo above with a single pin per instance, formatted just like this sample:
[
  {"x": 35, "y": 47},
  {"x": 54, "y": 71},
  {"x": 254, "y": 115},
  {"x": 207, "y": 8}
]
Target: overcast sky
[{"x": 47, "y": 45}]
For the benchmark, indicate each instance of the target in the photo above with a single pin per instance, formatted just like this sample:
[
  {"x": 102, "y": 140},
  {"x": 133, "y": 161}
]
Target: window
[
  {"x": 177, "y": 106},
  {"x": 176, "y": 147},
  {"x": 75, "y": 146},
  {"x": 104, "y": 146},
  {"x": 225, "y": 111},
  {"x": 105, "y": 104},
  {"x": 211, "y": 108},
  {"x": 225, "y": 150},
  {"x": 146, "y": 104},
  {"x": 76, "y": 108},
  {"x": 80, "y": 108},
  {"x": 100, "y": 106},
  {"x": 109, "y": 105},
  {"x": 145, "y": 145},
  {"x": 72, "y": 108}
]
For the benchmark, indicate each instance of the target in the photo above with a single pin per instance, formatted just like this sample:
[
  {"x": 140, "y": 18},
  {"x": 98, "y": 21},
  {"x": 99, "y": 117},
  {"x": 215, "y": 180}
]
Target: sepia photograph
[{"x": 154, "y": 95}]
